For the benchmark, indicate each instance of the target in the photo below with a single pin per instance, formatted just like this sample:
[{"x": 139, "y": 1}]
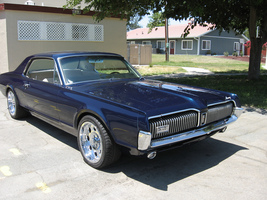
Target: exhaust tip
[
  {"x": 223, "y": 130},
  {"x": 151, "y": 155}
]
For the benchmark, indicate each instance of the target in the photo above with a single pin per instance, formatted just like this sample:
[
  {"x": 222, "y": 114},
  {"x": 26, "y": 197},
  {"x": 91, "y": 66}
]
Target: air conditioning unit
[{"x": 29, "y": 2}]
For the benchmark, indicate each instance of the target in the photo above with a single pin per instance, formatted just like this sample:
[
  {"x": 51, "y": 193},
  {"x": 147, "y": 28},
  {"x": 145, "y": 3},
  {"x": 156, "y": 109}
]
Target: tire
[
  {"x": 96, "y": 146},
  {"x": 14, "y": 109}
]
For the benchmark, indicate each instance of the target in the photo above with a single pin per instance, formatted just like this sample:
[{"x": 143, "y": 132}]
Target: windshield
[{"x": 87, "y": 68}]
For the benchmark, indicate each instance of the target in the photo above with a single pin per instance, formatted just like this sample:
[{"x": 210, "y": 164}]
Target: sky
[{"x": 145, "y": 21}]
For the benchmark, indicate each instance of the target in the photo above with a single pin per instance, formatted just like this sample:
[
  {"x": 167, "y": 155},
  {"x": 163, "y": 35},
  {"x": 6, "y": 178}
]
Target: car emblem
[
  {"x": 227, "y": 98},
  {"x": 203, "y": 118}
]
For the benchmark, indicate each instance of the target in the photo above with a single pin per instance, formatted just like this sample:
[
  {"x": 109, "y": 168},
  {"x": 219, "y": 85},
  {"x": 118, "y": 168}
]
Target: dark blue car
[{"x": 103, "y": 100}]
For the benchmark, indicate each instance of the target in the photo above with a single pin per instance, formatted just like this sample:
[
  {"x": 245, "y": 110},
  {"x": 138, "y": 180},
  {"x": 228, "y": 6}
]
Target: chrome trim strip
[
  {"x": 172, "y": 113},
  {"x": 222, "y": 102},
  {"x": 195, "y": 133},
  {"x": 176, "y": 112}
]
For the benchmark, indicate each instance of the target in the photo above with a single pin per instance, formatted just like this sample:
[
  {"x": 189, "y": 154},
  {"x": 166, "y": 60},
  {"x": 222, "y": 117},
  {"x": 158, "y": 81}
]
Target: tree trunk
[
  {"x": 255, "y": 59},
  {"x": 256, "y": 47}
]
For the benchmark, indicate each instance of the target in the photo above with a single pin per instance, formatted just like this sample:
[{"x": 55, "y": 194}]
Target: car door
[{"x": 41, "y": 87}]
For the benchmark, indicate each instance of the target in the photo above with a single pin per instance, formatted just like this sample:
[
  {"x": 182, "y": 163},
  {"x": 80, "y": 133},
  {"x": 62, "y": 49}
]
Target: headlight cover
[{"x": 144, "y": 140}]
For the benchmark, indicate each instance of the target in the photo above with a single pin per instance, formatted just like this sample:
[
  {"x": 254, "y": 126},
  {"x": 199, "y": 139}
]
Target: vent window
[{"x": 57, "y": 31}]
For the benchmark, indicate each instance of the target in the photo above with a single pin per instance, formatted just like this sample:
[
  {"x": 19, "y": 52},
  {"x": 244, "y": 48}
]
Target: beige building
[
  {"x": 42, "y": 27},
  {"x": 48, "y": 3}
]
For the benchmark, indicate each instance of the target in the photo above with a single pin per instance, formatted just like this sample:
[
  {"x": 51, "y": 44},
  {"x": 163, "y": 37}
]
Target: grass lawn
[
  {"x": 158, "y": 70},
  {"x": 212, "y": 63},
  {"x": 251, "y": 93}
]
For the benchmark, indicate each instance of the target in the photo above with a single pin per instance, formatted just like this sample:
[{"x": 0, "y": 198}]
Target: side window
[
  {"x": 206, "y": 45},
  {"x": 43, "y": 70},
  {"x": 236, "y": 46}
]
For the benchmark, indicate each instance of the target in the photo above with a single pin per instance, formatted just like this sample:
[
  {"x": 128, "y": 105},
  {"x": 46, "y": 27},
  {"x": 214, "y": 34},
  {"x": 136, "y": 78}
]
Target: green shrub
[
  {"x": 226, "y": 53},
  {"x": 235, "y": 54}
]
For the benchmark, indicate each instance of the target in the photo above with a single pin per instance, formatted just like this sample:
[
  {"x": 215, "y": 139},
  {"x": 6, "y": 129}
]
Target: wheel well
[
  {"x": 98, "y": 118},
  {"x": 7, "y": 89},
  {"x": 10, "y": 88},
  {"x": 91, "y": 114}
]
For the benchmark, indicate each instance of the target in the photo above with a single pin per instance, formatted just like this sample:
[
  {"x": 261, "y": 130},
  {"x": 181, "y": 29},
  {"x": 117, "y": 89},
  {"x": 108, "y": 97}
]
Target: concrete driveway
[{"x": 38, "y": 161}]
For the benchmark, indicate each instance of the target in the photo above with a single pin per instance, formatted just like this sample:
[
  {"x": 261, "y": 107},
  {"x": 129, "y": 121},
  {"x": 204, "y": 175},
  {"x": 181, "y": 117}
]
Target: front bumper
[{"x": 146, "y": 143}]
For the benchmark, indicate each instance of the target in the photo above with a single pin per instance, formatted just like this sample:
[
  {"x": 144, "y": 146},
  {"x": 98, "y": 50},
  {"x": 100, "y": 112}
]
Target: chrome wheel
[
  {"x": 97, "y": 147},
  {"x": 91, "y": 142},
  {"x": 11, "y": 103}
]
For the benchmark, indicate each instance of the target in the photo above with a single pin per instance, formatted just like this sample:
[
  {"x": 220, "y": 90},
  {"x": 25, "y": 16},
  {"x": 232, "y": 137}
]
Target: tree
[
  {"x": 226, "y": 15},
  {"x": 246, "y": 33},
  {"x": 133, "y": 23},
  {"x": 156, "y": 19}
]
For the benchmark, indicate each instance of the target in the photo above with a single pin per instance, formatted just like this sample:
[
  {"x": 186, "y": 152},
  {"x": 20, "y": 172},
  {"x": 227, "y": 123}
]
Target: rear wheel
[
  {"x": 95, "y": 144},
  {"x": 15, "y": 110}
]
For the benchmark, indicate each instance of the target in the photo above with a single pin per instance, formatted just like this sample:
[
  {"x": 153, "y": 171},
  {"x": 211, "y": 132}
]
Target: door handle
[{"x": 26, "y": 85}]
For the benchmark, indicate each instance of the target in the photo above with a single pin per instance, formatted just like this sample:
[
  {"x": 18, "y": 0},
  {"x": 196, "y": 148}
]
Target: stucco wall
[
  {"x": 3, "y": 44},
  {"x": 114, "y": 36},
  {"x": 52, "y": 3}
]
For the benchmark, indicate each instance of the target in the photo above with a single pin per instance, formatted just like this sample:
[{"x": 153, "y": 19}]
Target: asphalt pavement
[{"x": 38, "y": 161}]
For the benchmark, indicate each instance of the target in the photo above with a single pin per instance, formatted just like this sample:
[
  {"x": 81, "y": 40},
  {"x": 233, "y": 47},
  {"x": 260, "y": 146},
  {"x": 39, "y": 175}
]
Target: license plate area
[{"x": 162, "y": 129}]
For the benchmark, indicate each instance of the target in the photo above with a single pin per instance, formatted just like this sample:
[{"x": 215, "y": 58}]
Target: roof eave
[{"x": 45, "y": 9}]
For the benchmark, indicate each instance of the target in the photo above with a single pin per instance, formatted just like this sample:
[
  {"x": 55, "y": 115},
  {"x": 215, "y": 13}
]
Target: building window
[
  {"x": 161, "y": 44},
  {"x": 146, "y": 42},
  {"x": 79, "y": 32},
  {"x": 57, "y": 31},
  {"x": 206, "y": 45},
  {"x": 132, "y": 42},
  {"x": 98, "y": 31},
  {"x": 236, "y": 46},
  {"x": 29, "y": 30},
  {"x": 187, "y": 44}
]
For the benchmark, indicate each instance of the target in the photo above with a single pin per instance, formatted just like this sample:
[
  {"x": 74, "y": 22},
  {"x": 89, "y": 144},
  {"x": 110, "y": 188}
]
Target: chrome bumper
[{"x": 145, "y": 142}]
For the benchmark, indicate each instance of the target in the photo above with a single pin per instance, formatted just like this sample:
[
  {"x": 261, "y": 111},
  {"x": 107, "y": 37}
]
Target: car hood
[{"x": 153, "y": 97}]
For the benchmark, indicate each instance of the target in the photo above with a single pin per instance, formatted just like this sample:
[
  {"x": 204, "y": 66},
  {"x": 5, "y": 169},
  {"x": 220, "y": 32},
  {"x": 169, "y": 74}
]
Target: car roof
[{"x": 74, "y": 53}]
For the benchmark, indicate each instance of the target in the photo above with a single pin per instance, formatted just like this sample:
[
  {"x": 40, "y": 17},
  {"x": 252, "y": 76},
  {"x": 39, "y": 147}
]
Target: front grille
[
  {"x": 180, "y": 122},
  {"x": 177, "y": 123},
  {"x": 219, "y": 112}
]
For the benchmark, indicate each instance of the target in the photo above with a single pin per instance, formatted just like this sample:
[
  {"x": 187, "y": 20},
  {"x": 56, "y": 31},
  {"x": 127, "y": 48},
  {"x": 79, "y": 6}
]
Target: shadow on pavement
[
  {"x": 168, "y": 167},
  {"x": 258, "y": 110},
  {"x": 171, "y": 166},
  {"x": 54, "y": 132}
]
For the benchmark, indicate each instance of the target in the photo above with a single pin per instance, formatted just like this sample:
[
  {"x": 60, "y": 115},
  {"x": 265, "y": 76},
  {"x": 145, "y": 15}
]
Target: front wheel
[{"x": 95, "y": 144}]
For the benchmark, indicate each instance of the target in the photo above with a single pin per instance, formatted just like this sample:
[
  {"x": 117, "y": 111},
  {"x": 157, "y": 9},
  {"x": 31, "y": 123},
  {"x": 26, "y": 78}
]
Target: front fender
[{"x": 121, "y": 122}]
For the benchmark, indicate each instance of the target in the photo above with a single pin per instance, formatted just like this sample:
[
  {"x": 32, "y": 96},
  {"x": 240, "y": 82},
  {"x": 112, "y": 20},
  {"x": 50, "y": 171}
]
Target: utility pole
[{"x": 166, "y": 39}]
